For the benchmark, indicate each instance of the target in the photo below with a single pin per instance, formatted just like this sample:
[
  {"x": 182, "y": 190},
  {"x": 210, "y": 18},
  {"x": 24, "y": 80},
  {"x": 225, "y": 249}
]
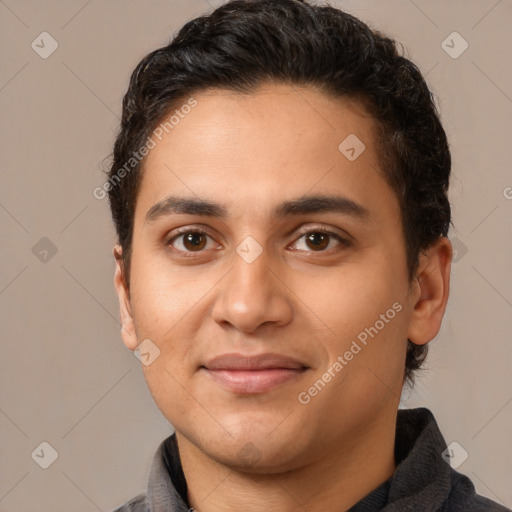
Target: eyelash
[{"x": 316, "y": 229}]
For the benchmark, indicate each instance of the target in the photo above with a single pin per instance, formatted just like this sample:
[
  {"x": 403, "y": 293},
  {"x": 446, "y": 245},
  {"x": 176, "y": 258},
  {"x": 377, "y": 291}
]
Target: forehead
[{"x": 253, "y": 150}]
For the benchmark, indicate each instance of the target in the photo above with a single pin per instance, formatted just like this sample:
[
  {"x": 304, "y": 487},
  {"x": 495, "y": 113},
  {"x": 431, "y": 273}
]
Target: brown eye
[
  {"x": 189, "y": 241},
  {"x": 194, "y": 241},
  {"x": 317, "y": 240}
]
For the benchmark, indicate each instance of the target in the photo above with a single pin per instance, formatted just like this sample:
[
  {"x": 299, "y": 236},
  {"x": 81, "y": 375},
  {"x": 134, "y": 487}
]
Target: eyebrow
[{"x": 303, "y": 205}]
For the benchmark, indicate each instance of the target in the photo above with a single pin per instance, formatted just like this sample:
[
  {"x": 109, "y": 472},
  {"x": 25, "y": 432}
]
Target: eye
[
  {"x": 319, "y": 238},
  {"x": 190, "y": 240}
]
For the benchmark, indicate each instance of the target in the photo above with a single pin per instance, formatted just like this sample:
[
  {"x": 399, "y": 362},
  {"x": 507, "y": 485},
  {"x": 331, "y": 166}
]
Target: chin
[
  {"x": 253, "y": 459},
  {"x": 253, "y": 448}
]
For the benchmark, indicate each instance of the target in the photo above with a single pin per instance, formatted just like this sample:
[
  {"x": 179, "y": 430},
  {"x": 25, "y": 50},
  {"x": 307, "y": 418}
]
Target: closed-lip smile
[{"x": 250, "y": 374}]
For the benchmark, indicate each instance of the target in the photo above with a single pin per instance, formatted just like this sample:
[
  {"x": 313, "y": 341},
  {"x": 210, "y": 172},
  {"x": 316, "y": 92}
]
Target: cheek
[
  {"x": 363, "y": 306},
  {"x": 163, "y": 296},
  {"x": 169, "y": 389},
  {"x": 351, "y": 298}
]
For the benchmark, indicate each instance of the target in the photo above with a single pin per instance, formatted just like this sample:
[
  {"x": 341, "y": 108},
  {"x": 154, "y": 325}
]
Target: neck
[{"x": 336, "y": 481}]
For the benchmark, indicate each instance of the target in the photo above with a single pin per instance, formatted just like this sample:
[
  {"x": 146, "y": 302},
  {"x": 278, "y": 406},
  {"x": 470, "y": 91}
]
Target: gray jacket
[{"x": 422, "y": 481}]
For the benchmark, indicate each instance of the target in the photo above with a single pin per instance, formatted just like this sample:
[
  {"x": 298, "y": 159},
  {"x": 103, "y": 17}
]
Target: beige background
[{"x": 65, "y": 376}]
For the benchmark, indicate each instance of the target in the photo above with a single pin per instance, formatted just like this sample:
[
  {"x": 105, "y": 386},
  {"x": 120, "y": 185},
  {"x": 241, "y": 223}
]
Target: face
[{"x": 298, "y": 255}]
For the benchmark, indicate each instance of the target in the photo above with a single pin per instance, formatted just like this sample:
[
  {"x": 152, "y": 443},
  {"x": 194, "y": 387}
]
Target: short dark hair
[{"x": 245, "y": 43}]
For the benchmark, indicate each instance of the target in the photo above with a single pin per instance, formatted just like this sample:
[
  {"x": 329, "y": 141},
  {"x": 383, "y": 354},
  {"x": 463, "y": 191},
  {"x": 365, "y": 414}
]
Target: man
[{"x": 279, "y": 189}]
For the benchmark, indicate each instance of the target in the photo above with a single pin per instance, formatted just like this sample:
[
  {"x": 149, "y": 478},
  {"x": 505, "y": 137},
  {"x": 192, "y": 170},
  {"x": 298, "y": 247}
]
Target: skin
[{"x": 250, "y": 153}]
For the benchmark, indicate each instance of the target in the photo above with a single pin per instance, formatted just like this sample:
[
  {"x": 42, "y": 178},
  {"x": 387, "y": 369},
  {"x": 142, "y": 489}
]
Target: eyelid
[{"x": 324, "y": 229}]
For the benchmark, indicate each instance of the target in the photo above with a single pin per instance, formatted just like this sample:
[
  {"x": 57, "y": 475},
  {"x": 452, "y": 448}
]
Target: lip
[{"x": 244, "y": 374}]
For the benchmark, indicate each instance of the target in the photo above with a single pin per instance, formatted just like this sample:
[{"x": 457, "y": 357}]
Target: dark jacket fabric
[{"x": 422, "y": 482}]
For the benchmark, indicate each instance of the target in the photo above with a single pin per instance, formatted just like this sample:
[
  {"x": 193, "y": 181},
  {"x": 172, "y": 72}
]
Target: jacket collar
[
  {"x": 421, "y": 476},
  {"x": 167, "y": 487}
]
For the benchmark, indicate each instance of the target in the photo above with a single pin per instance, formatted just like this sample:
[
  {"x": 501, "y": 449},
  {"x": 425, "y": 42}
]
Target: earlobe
[
  {"x": 433, "y": 280},
  {"x": 127, "y": 325}
]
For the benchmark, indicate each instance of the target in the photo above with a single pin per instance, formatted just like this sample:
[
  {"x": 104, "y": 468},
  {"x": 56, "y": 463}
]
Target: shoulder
[
  {"x": 463, "y": 497},
  {"x": 137, "y": 504}
]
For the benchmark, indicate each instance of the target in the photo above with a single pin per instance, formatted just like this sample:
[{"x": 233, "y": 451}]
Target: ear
[
  {"x": 432, "y": 283},
  {"x": 127, "y": 325}
]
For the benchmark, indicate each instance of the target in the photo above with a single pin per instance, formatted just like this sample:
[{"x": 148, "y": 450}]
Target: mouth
[{"x": 253, "y": 374}]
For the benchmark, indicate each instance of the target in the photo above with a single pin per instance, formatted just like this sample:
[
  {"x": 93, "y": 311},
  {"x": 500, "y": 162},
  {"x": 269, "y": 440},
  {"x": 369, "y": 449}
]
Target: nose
[{"x": 253, "y": 294}]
